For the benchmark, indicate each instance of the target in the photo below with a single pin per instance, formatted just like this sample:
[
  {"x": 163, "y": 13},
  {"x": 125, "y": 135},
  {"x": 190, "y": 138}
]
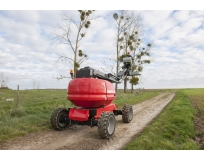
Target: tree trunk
[
  {"x": 116, "y": 87},
  {"x": 125, "y": 85},
  {"x": 132, "y": 88},
  {"x": 117, "y": 69},
  {"x": 117, "y": 47},
  {"x": 75, "y": 69},
  {"x": 133, "y": 62}
]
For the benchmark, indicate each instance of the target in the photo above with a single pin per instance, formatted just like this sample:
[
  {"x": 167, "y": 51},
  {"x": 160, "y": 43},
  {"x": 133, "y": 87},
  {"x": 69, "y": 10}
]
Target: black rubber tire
[
  {"x": 106, "y": 125},
  {"x": 127, "y": 114},
  {"x": 55, "y": 119}
]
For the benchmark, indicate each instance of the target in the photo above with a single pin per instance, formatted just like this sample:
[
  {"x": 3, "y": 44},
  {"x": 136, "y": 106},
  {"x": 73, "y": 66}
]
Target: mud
[{"x": 87, "y": 138}]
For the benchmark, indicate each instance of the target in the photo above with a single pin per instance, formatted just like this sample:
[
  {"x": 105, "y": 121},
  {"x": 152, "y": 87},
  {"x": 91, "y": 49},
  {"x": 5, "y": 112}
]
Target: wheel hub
[
  {"x": 111, "y": 125},
  {"x": 62, "y": 121},
  {"x": 130, "y": 114}
]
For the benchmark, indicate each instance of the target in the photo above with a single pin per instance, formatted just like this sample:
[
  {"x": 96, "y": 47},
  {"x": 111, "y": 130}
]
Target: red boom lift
[{"x": 92, "y": 92}]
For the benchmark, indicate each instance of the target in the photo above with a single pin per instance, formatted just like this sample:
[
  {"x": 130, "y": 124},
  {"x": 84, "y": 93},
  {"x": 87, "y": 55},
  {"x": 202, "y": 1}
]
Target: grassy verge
[
  {"x": 197, "y": 100},
  {"x": 36, "y": 107},
  {"x": 173, "y": 129}
]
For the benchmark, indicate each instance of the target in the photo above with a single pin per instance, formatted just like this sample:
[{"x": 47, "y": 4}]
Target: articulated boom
[{"x": 89, "y": 72}]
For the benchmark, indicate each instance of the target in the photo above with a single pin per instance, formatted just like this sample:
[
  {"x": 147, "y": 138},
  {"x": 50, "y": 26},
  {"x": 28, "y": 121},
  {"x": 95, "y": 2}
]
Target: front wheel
[
  {"x": 127, "y": 114},
  {"x": 106, "y": 125},
  {"x": 58, "y": 119}
]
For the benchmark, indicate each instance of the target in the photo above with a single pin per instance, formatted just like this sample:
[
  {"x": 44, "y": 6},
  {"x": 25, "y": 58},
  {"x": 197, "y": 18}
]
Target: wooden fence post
[{"x": 17, "y": 103}]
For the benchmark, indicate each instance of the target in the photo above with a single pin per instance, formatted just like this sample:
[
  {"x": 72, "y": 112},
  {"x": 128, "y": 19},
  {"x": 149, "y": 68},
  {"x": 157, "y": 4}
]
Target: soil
[{"x": 86, "y": 138}]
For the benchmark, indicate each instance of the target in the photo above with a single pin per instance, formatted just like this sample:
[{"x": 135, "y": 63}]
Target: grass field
[
  {"x": 179, "y": 126},
  {"x": 33, "y": 113},
  {"x": 176, "y": 127},
  {"x": 36, "y": 106}
]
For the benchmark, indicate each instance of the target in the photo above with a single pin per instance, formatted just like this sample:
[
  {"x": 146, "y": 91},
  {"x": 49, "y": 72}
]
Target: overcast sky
[{"x": 27, "y": 52}]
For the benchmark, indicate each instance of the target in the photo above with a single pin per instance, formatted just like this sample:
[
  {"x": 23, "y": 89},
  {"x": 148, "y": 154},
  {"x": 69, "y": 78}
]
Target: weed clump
[
  {"x": 17, "y": 112},
  {"x": 2, "y": 114}
]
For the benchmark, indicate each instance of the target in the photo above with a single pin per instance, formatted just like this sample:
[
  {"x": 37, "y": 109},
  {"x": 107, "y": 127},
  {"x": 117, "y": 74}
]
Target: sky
[{"x": 28, "y": 53}]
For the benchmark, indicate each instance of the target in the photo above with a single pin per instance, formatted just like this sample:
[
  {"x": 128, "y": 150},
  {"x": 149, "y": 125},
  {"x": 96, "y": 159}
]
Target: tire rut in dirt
[
  {"x": 89, "y": 142},
  {"x": 138, "y": 108}
]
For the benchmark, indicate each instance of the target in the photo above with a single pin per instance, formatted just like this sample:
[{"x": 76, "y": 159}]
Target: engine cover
[{"x": 90, "y": 92}]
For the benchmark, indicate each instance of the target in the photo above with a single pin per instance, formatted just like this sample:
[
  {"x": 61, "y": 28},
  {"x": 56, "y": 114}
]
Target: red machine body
[{"x": 90, "y": 92}]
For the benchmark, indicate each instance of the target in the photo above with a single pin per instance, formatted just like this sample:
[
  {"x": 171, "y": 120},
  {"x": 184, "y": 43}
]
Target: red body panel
[
  {"x": 90, "y": 92},
  {"x": 110, "y": 107},
  {"x": 80, "y": 114}
]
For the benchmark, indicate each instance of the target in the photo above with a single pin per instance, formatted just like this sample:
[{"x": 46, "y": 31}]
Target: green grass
[
  {"x": 173, "y": 129},
  {"x": 197, "y": 100},
  {"x": 33, "y": 113},
  {"x": 36, "y": 106}
]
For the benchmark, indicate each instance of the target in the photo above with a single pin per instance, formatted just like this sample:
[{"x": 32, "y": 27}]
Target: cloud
[{"x": 27, "y": 51}]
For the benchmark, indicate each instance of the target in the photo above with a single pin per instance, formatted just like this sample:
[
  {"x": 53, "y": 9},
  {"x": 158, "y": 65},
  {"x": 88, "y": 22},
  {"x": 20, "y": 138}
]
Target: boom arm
[{"x": 88, "y": 72}]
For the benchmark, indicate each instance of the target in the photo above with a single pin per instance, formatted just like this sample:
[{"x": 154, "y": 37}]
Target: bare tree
[
  {"x": 139, "y": 59},
  {"x": 3, "y": 81},
  {"x": 67, "y": 34},
  {"x": 121, "y": 24},
  {"x": 129, "y": 28},
  {"x": 36, "y": 84}
]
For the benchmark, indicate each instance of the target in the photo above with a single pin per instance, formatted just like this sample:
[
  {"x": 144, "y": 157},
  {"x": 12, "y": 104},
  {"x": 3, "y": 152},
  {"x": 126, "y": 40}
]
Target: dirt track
[{"x": 87, "y": 138}]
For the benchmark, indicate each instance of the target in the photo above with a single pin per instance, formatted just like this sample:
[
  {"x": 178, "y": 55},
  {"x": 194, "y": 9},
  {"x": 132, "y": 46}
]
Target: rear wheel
[
  {"x": 127, "y": 114},
  {"x": 58, "y": 119},
  {"x": 106, "y": 125}
]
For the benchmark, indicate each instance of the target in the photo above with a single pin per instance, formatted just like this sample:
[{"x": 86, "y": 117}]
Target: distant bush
[{"x": 4, "y": 88}]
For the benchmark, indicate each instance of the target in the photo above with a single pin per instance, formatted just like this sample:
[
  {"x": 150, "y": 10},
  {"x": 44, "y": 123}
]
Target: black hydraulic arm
[{"x": 88, "y": 72}]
